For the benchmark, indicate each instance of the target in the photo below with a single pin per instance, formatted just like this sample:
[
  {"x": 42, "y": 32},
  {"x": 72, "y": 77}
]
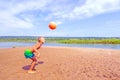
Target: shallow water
[{"x": 21, "y": 44}]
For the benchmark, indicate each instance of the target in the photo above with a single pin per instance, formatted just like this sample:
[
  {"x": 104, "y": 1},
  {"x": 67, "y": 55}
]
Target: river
[{"x": 21, "y": 44}]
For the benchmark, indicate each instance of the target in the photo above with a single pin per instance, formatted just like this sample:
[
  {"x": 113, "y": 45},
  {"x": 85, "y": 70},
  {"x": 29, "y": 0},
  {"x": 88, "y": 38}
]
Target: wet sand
[{"x": 61, "y": 63}]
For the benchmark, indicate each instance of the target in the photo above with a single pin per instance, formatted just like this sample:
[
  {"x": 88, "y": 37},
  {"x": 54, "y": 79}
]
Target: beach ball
[{"x": 52, "y": 25}]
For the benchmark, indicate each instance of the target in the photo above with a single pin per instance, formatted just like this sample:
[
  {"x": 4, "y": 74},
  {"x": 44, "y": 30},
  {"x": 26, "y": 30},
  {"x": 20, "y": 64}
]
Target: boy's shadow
[{"x": 28, "y": 66}]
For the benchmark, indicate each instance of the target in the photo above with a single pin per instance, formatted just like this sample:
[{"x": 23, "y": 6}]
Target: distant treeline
[
  {"x": 85, "y": 40},
  {"x": 65, "y": 40},
  {"x": 18, "y": 39}
]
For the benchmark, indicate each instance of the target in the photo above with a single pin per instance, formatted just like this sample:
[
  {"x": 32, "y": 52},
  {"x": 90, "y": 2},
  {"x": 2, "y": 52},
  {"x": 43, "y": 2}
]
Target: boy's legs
[
  {"x": 34, "y": 65},
  {"x": 34, "y": 60}
]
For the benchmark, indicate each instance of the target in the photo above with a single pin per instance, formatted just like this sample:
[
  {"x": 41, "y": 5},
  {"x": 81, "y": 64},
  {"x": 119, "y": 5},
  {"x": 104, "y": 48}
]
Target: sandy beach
[{"x": 61, "y": 63}]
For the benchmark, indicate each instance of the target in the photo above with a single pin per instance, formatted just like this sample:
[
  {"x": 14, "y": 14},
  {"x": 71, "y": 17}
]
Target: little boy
[{"x": 30, "y": 53}]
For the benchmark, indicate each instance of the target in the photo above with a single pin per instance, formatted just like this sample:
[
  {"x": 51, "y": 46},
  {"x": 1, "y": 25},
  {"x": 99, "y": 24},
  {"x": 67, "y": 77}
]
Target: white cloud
[
  {"x": 76, "y": 10},
  {"x": 93, "y": 7},
  {"x": 9, "y": 10},
  {"x": 10, "y": 21},
  {"x": 58, "y": 22},
  {"x": 28, "y": 5}
]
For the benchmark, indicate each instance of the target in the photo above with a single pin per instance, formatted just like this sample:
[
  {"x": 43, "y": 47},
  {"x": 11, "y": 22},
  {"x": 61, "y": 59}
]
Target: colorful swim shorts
[{"x": 28, "y": 54}]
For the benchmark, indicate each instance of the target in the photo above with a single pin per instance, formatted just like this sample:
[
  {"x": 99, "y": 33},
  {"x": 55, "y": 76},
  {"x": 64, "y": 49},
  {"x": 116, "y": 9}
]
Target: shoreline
[{"x": 71, "y": 47}]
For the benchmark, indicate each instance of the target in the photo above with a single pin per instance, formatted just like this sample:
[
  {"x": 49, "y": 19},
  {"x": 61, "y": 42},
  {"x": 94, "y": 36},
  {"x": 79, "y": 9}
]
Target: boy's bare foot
[{"x": 31, "y": 71}]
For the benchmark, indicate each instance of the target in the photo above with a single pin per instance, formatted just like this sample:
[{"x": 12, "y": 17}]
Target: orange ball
[{"x": 52, "y": 25}]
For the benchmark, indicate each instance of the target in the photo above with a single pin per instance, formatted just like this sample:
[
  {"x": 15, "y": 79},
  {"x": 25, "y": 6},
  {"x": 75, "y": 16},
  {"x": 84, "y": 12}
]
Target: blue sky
[{"x": 74, "y": 18}]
